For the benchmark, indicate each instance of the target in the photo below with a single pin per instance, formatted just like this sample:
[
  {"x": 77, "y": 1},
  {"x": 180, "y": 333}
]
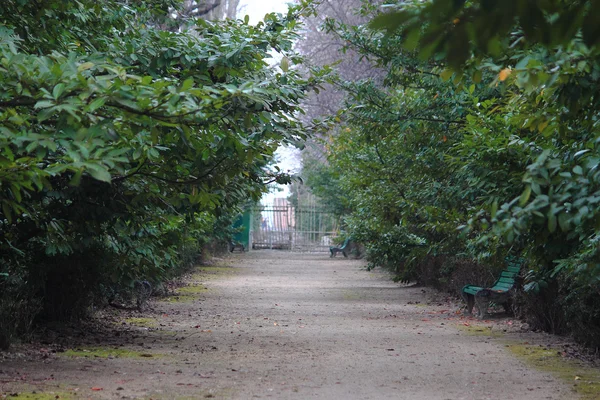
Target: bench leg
[
  {"x": 507, "y": 307},
  {"x": 470, "y": 300},
  {"x": 482, "y": 306}
]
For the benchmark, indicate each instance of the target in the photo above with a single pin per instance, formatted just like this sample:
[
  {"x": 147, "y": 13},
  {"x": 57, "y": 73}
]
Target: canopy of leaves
[
  {"x": 123, "y": 144},
  {"x": 457, "y": 29},
  {"x": 483, "y": 139}
]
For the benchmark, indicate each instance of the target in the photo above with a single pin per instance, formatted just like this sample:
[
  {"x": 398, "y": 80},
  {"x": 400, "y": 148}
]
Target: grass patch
[
  {"x": 479, "y": 330},
  {"x": 191, "y": 289},
  {"x": 180, "y": 298},
  {"x": 207, "y": 272},
  {"x": 196, "y": 287},
  {"x": 103, "y": 352},
  {"x": 143, "y": 322},
  {"x": 585, "y": 379}
]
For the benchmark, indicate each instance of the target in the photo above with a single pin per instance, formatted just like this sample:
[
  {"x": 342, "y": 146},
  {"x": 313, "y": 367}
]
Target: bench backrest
[{"x": 507, "y": 277}]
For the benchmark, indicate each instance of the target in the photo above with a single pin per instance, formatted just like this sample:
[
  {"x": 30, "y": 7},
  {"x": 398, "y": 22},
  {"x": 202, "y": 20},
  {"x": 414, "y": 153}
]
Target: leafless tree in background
[
  {"x": 209, "y": 9},
  {"x": 322, "y": 48}
]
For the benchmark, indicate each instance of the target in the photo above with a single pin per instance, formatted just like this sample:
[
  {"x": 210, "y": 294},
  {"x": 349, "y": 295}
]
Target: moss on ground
[
  {"x": 585, "y": 379},
  {"x": 192, "y": 291},
  {"x": 103, "y": 352},
  {"x": 209, "y": 272},
  {"x": 479, "y": 330},
  {"x": 143, "y": 322},
  {"x": 180, "y": 298}
]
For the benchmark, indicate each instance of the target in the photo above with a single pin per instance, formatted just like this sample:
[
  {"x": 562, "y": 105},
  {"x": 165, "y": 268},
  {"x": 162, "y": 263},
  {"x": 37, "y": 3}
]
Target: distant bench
[
  {"x": 499, "y": 293},
  {"x": 344, "y": 249}
]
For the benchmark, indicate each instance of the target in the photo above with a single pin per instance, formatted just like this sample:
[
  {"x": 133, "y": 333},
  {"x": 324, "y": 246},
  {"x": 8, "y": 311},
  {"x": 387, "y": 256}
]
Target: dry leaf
[{"x": 504, "y": 74}]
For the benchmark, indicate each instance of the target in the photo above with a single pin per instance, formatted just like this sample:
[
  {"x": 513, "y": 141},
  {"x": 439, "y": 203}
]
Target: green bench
[
  {"x": 344, "y": 249},
  {"x": 499, "y": 293}
]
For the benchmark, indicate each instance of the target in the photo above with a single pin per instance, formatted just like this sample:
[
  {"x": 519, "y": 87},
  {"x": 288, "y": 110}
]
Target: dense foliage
[
  {"x": 483, "y": 140},
  {"x": 124, "y": 146}
]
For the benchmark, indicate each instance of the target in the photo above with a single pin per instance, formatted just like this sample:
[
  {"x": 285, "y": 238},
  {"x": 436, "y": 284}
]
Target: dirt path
[{"x": 286, "y": 326}]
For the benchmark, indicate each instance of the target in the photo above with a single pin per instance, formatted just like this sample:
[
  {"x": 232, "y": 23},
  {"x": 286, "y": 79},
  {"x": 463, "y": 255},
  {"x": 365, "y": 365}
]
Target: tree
[
  {"x": 211, "y": 10},
  {"x": 324, "y": 48},
  {"x": 486, "y": 127},
  {"x": 123, "y": 144}
]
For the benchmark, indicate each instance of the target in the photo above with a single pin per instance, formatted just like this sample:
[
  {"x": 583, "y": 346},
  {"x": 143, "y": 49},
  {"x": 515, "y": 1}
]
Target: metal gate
[{"x": 283, "y": 226}]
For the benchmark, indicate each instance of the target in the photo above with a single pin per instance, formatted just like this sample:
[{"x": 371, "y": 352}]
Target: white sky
[
  {"x": 288, "y": 157},
  {"x": 257, "y": 9}
]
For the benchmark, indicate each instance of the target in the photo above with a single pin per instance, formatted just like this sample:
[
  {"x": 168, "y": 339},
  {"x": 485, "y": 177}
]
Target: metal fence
[{"x": 287, "y": 227}]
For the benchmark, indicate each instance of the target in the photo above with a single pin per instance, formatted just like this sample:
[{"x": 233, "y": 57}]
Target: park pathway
[{"x": 280, "y": 325}]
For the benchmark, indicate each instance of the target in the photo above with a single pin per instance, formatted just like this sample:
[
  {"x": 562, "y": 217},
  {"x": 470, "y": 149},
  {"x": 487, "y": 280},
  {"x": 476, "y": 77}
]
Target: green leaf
[
  {"x": 446, "y": 74},
  {"x": 494, "y": 209},
  {"x": 7, "y": 212},
  {"x": 153, "y": 153},
  {"x": 98, "y": 172},
  {"x": 551, "y": 222},
  {"x": 96, "y": 104},
  {"x": 285, "y": 64},
  {"x": 58, "y": 90},
  {"x": 563, "y": 221},
  {"x": 76, "y": 179},
  {"x": 85, "y": 66},
  {"x": 187, "y": 84},
  {"x": 16, "y": 192},
  {"x": 525, "y": 196},
  {"x": 44, "y": 104}
]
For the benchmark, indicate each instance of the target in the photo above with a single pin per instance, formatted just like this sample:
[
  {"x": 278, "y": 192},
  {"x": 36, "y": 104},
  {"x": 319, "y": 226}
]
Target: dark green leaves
[
  {"x": 456, "y": 30},
  {"x": 130, "y": 144}
]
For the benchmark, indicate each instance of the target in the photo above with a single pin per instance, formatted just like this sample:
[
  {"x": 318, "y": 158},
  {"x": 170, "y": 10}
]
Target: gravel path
[{"x": 283, "y": 325}]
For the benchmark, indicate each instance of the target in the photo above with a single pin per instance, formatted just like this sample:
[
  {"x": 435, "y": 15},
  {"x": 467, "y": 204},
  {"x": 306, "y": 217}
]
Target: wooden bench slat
[
  {"x": 471, "y": 289},
  {"x": 510, "y": 281}
]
